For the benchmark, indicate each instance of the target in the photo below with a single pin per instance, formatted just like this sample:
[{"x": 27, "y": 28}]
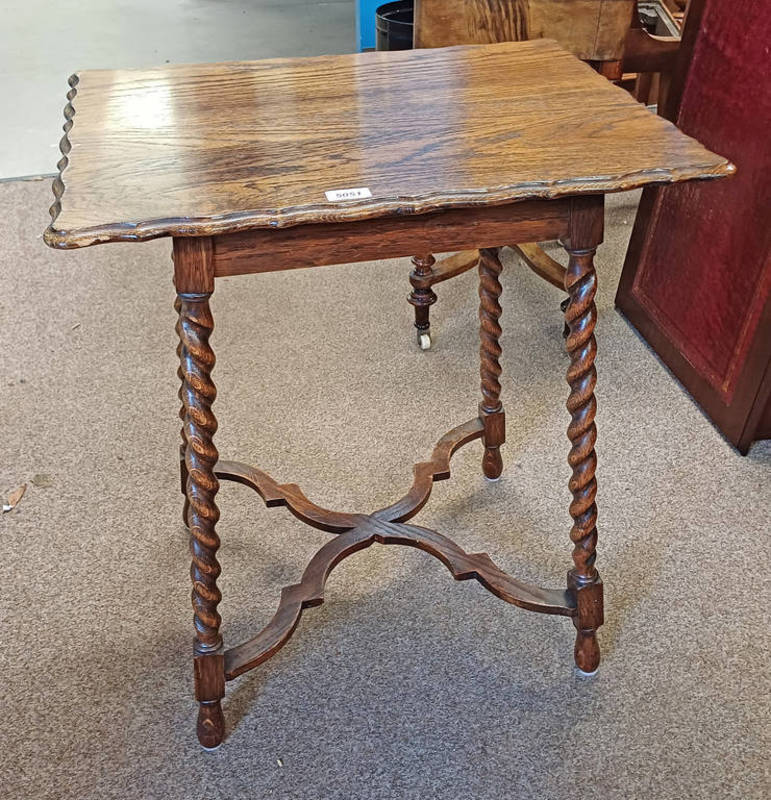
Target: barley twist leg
[
  {"x": 198, "y": 393},
  {"x": 583, "y": 579},
  {"x": 491, "y": 408}
]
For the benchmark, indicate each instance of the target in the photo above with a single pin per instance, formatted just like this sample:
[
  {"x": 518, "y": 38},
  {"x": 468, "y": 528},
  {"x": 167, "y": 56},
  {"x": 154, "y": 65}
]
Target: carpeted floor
[{"x": 404, "y": 684}]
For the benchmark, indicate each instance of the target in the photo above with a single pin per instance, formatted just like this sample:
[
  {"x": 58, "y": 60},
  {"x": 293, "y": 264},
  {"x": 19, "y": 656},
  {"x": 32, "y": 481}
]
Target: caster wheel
[{"x": 424, "y": 340}]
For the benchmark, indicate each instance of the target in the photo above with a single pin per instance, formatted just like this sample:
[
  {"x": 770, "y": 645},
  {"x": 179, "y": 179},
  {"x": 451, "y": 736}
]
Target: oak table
[{"x": 271, "y": 165}]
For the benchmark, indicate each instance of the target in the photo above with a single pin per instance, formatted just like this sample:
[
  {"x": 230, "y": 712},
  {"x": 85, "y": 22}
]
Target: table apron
[{"x": 269, "y": 250}]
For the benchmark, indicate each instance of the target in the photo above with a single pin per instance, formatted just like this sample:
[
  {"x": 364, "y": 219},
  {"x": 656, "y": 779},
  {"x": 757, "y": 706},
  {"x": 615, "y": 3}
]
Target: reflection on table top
[{"x": 213, "y": 148}]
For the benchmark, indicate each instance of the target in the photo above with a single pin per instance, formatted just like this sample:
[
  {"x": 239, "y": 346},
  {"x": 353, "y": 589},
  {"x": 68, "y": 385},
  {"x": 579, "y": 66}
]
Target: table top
[{"x": 215, "y": 148}]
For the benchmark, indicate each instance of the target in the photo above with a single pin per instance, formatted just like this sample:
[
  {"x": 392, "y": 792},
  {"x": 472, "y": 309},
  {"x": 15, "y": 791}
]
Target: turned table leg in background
[
  {"x": 194, "y": 280},
  {"x": 586, "y": 228},
  {"x": 491, "y": 408},
  {"x": 422, "y": 297}
]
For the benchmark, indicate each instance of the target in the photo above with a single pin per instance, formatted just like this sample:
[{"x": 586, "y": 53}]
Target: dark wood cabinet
[{"x": 697, "y": 278}]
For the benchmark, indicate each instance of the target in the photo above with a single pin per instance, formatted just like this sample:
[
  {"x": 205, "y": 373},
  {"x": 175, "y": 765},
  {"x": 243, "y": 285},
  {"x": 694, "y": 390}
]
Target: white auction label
[{"x": 347, "y": 194}]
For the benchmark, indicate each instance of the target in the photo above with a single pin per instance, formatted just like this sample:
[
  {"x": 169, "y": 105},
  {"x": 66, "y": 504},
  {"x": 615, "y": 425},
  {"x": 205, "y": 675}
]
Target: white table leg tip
[
  {"x": 492, "y": 480},
  {"x": 583, "y": 674},
  {"x": 211, "y": 749}
]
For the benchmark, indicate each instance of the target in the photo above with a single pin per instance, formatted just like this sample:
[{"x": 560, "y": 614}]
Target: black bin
[{"x": 394, "y": 25}]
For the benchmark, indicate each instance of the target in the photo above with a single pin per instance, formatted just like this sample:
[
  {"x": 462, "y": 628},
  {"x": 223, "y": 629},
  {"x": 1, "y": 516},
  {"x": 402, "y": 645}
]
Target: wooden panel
[
  {"x": 697, "y": 281},
  {"x": 318, "y": 245},
  {"x": 209, "y": 149},
  {"x": 593, "y": 30}
]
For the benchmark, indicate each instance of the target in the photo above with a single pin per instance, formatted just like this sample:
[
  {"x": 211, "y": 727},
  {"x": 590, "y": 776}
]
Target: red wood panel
[
  {"x": 705, "y": 270},
  {"x": 697, "y": 278}
]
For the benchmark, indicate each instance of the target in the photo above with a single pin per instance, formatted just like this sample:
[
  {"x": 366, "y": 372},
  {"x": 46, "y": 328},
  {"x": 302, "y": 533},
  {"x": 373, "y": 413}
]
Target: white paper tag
[{"x": 348, "y": 194}]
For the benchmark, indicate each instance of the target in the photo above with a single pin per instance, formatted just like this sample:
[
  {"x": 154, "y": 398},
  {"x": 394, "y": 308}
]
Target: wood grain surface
[
  {"x": 593, "y": 30},
  {"x": 217, "y": 148}
]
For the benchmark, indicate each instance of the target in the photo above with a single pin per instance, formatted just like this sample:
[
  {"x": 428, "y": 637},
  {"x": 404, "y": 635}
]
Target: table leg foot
[
  {"x": 211, "y": 725},
  {"x": 492, "y": 462},
  {"x": 589, "y": 605},
  {"x": 587, "y": 653},
  {"x": 209, "y": 676}
]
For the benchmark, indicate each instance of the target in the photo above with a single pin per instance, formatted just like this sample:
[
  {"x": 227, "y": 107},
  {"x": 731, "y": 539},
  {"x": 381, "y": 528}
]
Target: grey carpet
[{"x": 404, "y": 684}]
